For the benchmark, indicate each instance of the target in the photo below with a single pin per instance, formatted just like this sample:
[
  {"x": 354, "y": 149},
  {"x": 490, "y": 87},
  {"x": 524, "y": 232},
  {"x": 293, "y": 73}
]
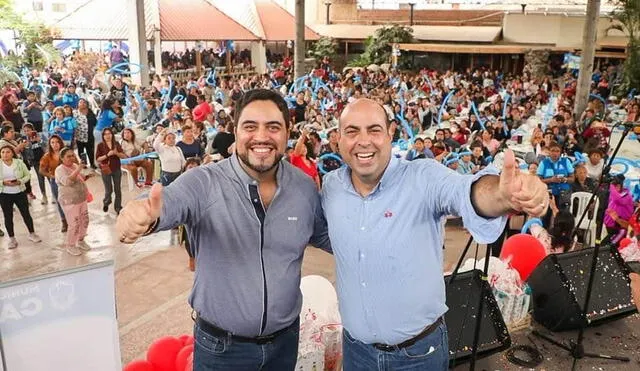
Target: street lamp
[
  {"x": 411, "y": 13},
  {"x": 523, "y": 7},
  {"x": 328, "y": 5}
]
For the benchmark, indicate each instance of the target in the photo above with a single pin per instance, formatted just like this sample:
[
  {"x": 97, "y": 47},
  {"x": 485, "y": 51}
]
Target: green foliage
[
  {"x": 325, "y": 46},
  {"x": 34, "y": 39},
  {"x": 628, "y": 14},
  {"x": 378, "y": 47}
]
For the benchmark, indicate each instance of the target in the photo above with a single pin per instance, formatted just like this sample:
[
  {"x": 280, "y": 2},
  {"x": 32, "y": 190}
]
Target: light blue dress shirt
[{"x": 388, "y": 245}]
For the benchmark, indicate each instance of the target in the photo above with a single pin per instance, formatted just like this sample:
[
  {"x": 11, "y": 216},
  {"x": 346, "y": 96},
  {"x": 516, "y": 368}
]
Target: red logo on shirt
[{"x": 388, "y": 214}]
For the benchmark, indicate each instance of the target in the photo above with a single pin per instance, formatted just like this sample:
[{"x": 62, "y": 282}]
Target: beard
[{"x": 259, "y": 166}]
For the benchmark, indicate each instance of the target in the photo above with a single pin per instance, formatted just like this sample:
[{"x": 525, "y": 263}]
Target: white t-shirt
[
  {"x": 594, "y": 171},
  {"x": 9, "y": 174}
]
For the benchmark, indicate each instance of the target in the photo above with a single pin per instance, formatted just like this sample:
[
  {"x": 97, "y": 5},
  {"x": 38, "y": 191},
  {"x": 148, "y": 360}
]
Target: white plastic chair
[
  {"x": 580, "y": 202},
  {"x": 130, "y": 181}
]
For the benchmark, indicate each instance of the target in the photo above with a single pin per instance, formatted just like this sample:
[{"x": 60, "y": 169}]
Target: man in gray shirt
[{"x": 249, "y": 219}]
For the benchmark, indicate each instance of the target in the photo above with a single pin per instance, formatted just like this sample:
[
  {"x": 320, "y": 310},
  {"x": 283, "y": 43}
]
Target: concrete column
[
  {"x": 138, "y": 41},
  {"x": 157, "y": 51},
  {"x": 299, "y": 46},
  {"x": 259, "y": 56}
]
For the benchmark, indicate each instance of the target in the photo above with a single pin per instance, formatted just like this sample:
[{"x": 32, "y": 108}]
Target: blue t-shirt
[
  {"x": 68, "y": 124},
  {"x": 105, "y": 120},
  {"x": 71, "y": 100},
  {"x": 563, "y": 168}
]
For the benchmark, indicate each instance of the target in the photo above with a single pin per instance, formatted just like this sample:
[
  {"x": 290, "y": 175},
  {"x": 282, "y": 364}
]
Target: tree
[
  {"x": 298, "y": 57},
  {"x": 627, "y": 13},
  {"x": 378, "y": 49},
  {"x": 325, "y": 46},
  {"x": 35, "y": 40}
]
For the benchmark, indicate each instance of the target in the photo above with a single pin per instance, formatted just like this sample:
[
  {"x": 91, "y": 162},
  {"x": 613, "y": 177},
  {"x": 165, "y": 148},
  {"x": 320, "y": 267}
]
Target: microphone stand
[{"x": 576, "y": 348}]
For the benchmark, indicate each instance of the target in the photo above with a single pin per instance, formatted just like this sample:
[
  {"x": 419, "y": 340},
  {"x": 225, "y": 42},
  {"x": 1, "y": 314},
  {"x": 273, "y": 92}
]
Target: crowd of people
[{"x": 68, "y": 128}]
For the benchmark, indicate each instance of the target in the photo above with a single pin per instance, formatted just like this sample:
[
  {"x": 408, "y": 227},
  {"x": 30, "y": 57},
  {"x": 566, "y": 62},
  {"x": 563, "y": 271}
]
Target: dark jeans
[
  {"x": 41, "y": 182},
  {"x": 87, "y": 148},
  {"x": 111, "y": 184},
  {"x": 212, "y": 353},
  {"x": 54, "y": 191},
  {"x": 167, "y": 178},
  {"x": 429, "y": 353},
  {"x": 7, "y": 200}
]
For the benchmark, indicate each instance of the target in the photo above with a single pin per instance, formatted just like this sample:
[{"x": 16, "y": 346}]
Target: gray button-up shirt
[{"x": 248, "y": 259}]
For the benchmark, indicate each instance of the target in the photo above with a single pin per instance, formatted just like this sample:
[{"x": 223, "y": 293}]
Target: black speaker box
[
  {"x": 559, "y": 286},
  {"x": 463, "y": 296}
]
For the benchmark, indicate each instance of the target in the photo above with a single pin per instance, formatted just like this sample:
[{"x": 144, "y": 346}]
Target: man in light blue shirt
[{"x": 390, "y": 287}]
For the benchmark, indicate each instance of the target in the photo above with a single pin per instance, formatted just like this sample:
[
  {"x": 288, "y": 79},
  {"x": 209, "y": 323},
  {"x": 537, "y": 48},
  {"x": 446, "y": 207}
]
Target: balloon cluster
[{"x": 166, "y": 354}]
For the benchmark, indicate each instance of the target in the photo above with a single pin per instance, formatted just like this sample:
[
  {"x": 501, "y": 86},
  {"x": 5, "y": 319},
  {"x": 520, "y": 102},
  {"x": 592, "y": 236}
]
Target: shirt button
[
  {"x": 255, "y": 182},
  {"x": 362, "y": 256},
  {"x": 255, "y": 200},
  {"x": 362, "y": 228},
  {"x": 364, "y": 284}
]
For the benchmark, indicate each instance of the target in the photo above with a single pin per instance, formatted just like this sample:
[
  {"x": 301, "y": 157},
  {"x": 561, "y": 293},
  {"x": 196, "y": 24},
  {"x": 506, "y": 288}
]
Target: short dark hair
[
  {"x": 555, "y": 145},
  {"x": 262, "y": 94},
  {"x": 418, "y": 140}
]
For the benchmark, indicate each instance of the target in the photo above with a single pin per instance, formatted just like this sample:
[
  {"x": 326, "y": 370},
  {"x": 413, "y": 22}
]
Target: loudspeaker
[
  {"x": 559, "y": 286},
  {"x": 463, "y": 296}
]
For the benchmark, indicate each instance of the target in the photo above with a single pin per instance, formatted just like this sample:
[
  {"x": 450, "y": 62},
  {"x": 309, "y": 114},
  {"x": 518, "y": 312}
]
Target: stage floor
[{"x": 153, "y": 283}]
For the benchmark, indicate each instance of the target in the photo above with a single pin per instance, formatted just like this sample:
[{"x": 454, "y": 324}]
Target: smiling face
[
  {"x": 365, "y": 140},
  {"x": 261, "y": 137}
]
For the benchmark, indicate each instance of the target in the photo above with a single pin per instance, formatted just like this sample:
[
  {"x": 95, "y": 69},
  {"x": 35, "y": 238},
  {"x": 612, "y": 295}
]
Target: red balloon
[
  {"x": 162, "y": 353},
  {"x": 183, "y": 357},
  {"x": 189, "y": 366},
  {"x": 139, "y": 365},
  {"x": 624, "y": 243},
  {"x": 525, "y": 253},
  {"x": 186, "y": 339}
]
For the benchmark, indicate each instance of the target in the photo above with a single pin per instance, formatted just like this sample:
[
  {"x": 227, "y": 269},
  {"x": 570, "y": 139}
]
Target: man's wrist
[{"x": 152, "y": 228}]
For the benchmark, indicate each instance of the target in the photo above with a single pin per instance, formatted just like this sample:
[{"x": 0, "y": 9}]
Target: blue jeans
[
  {"x": 429, "y": 353},
  {"x": 213, "y": 353},
  {"x": 167, "y": 178},
  {"x": 54, "y": 191}
]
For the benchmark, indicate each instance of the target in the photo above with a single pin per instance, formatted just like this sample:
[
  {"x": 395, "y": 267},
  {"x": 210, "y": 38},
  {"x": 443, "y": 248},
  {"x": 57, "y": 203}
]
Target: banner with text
[{"x": 61, "y": 321}]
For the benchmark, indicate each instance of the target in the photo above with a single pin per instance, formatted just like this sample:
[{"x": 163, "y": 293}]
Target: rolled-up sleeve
[{"x": 452, "y": 196}]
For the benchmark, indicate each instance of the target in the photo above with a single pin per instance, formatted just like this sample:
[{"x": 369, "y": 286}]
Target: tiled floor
[{"x": 153, "y": 283}]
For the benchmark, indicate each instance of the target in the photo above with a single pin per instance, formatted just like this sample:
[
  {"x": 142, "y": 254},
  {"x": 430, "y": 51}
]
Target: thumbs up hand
[
  {"x": 138, "y": 215},
  {"x": 523, "y": 192}
]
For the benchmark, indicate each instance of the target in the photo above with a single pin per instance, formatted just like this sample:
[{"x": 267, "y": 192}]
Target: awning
[
  {"x": 612, "y": 55},
  {"x": 613, "y": 42},
  {"x": 476, "y": 49},
  {"x": 178, "y": 20},
  {"x": 278, "y": 23},
  {"x": 426, "y": 33},
  {"x": 83, "y": 23},
  {"x": 186, "y": 20}
]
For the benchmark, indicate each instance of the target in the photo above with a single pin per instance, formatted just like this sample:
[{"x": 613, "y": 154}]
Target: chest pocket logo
[{"x": 292, "y": 218}]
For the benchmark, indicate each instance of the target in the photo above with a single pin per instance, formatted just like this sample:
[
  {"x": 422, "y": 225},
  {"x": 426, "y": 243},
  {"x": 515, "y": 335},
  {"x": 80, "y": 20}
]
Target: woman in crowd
[
  {"x": 200, "y": 133},
  {"x": 171, "y": 158},
  {"x": 583, "y": 183},
  {"x": 48, "y": 164},
  {"x": 14, "y": 175},
  {"x": 595, "y": 164},
  {"x": 72, "y": 196},
  {"x": 300, "y": 158},
  {"x": 558, "y": 238},
  {"x": 488, "y": 142},
  {"x": 63, "y": 125},
  {"x": 108, "y": 155},
  {"x": 620, "y": 208},
  {"x": 32, "y": 155},
  {"x": 107, "y": 118},
  {"x": 86, "y": 122},
  {"x": 132, "y": 149},
  {"x": 189, "y": 145},
  {"x": 10, "y": 111}
]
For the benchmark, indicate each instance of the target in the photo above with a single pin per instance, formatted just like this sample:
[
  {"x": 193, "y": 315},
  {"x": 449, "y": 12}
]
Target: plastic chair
[
  {"x": 130, "y": 181},
  {"x": 580, "y": 202}
]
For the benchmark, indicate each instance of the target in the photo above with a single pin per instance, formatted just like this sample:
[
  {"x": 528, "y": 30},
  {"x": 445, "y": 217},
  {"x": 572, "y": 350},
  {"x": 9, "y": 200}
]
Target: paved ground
[{"x": 153, "y": 282}]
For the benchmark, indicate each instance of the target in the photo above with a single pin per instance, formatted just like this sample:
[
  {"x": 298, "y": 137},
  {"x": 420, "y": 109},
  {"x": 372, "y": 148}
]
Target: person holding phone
[{"x": 14, "y": 175}]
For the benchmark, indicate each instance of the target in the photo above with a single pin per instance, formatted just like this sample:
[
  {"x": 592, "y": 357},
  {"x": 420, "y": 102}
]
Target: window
[
  {"x": 37, "y": 6},
  {"x": 58, "y": 7}
]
